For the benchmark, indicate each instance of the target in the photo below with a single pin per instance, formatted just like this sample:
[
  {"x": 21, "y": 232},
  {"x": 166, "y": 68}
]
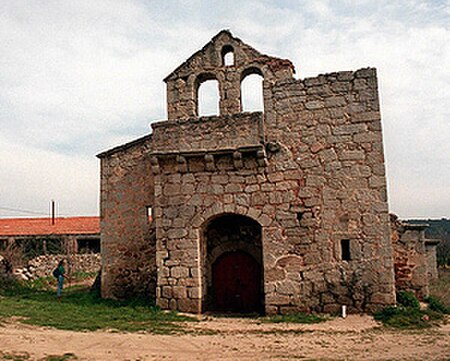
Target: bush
[
  {"x": 436, "y": 305},
  {"x": 407, "y": 318},
  {"x": 407, "y": 314},
  {"x": 408, "y": 300}
]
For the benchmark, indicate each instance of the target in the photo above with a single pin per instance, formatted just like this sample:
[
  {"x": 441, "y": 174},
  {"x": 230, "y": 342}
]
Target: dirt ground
[{"x": 353, "y": 338}]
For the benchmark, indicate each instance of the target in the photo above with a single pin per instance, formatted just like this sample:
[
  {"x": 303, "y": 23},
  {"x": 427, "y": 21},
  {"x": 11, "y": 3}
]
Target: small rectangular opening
[
  {"x": 149, "y": 214},
  {"x": 88, "y": 245},
  {"x": 345, "y": 249}
]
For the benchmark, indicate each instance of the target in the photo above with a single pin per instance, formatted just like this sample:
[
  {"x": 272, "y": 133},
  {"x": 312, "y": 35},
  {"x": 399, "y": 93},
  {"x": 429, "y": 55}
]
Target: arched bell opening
[
  {"x": 252, "y": 95},
  {"x": 207, "y": 95}
]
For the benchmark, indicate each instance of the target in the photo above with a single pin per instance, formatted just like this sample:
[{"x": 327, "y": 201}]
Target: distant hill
[{"x": 439, "y": 229}]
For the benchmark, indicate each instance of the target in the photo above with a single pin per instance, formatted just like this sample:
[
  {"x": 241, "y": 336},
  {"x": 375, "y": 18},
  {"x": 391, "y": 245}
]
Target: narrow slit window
[
  {"x": 149, "y": 214},
  {"x": 345, "y": 249}
]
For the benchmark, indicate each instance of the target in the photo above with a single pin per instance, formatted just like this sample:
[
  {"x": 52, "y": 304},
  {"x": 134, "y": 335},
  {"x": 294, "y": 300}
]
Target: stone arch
[
  {"x": 249, "y": 70},
  {"x": 236, "y": 237}
]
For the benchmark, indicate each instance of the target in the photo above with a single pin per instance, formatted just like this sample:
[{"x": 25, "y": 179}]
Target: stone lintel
[
  {"x": 432, "y": 241},
  {"x": 415, "y": 226},
  {"x": 202, "y": 152}
]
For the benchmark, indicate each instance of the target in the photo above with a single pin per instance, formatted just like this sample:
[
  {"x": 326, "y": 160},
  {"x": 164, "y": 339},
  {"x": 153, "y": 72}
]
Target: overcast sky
[{"x": 79, "y": 77}]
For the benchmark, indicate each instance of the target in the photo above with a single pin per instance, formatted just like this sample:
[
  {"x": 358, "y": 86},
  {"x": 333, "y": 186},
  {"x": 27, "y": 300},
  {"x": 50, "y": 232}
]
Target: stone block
[
  {"x": 274, "y": 274},
  {"x": 179, "y": 272},
  {"x": 352, "y": 155},
  {"x": 277, "y": 299},
  {"x": 179, "y": 292},
  {"x": 194, "y": 292},
  {"x": 348, "y": 129},
  {"x": 176, "y": 233}
]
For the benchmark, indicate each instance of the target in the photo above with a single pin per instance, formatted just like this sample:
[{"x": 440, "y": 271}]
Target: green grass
[
  {"x": 408, "y": 315},
  {"x": 407, "y": 318},
  {"x": 81, "y": 310},
  {"x": 65, "y": 357},
  {"x": 22, "y": 356},
  {"x": 294, "y": 318}
]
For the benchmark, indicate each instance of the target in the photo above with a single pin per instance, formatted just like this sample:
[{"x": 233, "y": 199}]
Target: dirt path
[{"x": 355, "y": 338}]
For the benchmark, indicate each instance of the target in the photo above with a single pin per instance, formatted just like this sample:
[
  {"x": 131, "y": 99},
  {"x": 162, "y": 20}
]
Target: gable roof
[
  {"x": 44, "y": 227},
  {"x": 247, "y": 49}
]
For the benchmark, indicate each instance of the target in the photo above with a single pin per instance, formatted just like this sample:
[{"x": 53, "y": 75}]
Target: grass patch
[
  {"x": 66, "y": 357},
  {"x": 294, "y": 318},
  {"x": 24, "y": 356},
  {"x": 81, "y": 310},
  {"x": 435, "y": 304},
  {"x": 408, "y": 315},
  {"x": 21, "y": 356}
]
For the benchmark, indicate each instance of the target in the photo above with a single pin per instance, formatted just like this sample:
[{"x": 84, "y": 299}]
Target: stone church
[{"x": 277, "y": 211}]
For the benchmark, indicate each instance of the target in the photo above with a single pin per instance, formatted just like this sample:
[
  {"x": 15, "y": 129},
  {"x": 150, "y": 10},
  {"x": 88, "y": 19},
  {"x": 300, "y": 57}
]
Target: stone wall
[
  {"x": 329, "y": 132},
  {"x": 127, "y": 236},
  {"x": 431, "y": 248},
  {"x": 208, "y": 133},
  {"x": 208, "y": 64},
  {"x": 414, "y": 257},
  {"x": 43, "y": 266}
]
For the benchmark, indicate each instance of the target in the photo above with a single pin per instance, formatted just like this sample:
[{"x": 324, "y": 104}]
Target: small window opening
[
  {"x": 252, "y": 93},
  {"x": 300, "y": 216},
  {"x": 88, "y": 245},
  {"x": 149, "y": 214},
  {"x": 208, "y": 98},
  {"x": 228, "y": 55},
  {"x": 345, "y": 249}
]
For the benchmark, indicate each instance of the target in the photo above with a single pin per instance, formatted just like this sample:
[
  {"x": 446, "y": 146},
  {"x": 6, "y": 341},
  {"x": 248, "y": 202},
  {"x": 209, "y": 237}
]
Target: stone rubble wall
[
  {"x": 414, "y": 257},
  {"x": 127, "y": 235},
  {"x": 207, "y": 133},
  {"x": 43, "y": 266}
]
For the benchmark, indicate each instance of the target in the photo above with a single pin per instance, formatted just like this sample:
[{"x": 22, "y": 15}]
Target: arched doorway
[{"x": 233, "y": 265}]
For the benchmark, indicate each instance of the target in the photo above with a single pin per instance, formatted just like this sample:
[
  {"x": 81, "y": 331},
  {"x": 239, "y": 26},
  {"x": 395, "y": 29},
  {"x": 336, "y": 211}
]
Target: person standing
[{"x": 60, "y": 274}]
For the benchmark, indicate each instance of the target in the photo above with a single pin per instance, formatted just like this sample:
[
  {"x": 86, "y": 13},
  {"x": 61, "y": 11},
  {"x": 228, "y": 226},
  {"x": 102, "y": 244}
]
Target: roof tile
[{"x": 43, "y": 226}]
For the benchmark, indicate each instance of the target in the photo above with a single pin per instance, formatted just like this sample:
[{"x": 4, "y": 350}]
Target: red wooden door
[{"x": 236, "y": 283}]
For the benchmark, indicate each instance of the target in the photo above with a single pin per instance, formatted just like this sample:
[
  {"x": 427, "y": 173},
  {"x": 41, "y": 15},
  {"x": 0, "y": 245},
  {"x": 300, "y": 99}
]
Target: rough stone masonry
[{"x": 273, "y": 212}]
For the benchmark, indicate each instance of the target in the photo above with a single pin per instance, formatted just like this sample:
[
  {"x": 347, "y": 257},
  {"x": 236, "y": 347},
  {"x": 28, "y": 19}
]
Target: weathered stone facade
[
  {"x": 127, "y": 235},
  {"x": 305, "y": 182}
]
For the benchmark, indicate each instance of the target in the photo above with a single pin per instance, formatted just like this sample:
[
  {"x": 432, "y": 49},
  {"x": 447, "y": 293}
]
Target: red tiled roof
[{"x": 43, "y": 226}]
